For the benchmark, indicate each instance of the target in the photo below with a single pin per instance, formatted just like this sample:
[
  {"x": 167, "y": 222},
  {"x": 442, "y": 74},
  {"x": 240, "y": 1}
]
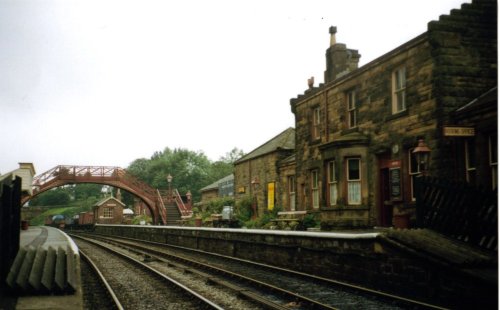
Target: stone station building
[{"x": 352, "y": 160}]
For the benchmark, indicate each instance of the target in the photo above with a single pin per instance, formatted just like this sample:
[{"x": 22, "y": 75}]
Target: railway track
[
  {"x": 277, "y": 285},
  {"x": 131, "y": 284},
  {"x": 100, "y": 295}
]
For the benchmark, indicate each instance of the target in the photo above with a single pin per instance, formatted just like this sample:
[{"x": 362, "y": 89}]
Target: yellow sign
[
  {"x": 459, "y": 131},
  {"x": 270, "y": 196}
]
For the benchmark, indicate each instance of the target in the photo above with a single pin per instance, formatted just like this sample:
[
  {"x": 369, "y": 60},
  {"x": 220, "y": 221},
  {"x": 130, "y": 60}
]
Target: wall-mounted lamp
[{"x": 422, "y": 152}]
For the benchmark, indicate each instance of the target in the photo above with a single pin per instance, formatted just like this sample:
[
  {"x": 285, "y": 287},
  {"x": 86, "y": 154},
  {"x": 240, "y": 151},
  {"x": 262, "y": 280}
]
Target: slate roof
[
  {"x": 488, "y": 98},
  {"x": 102, "y": 201},
  {"x": 215, "y": 185},
  {"x": 283, "y": 141}
]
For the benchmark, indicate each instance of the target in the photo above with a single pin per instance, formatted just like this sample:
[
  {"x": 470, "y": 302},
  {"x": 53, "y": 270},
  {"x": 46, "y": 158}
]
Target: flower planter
[{"x": 401, "y": 221}]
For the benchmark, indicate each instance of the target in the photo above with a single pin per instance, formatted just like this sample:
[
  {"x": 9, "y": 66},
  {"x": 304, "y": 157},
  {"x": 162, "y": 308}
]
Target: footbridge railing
[{"x": 114, "y": 176}]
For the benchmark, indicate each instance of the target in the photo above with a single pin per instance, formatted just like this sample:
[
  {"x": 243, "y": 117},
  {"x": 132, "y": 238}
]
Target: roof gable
[
  {"x": 283, "y": 141},
  {"x": 103, "y": 201}
]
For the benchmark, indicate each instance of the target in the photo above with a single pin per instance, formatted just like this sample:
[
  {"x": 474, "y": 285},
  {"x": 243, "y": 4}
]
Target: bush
[
  {"x": 263, "y": 221},
  {"x": 310, "y": 221},
  {"x": 137, "y": 220},
  {"x": 215, "y": 206},
  {"x": 244, "y": 210}
]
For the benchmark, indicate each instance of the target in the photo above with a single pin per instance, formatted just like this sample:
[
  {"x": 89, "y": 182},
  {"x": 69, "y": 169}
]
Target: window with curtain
[
  {"x": 315, "y": 188},
  {"x": 354, "y": 181},
  {"x": 332, "y": 184}
]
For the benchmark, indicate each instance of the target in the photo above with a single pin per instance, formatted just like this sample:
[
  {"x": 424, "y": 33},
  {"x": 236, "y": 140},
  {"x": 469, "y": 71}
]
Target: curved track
[
  {"x": 138, "y": 286},
  {"x": 271, "y": 283}
]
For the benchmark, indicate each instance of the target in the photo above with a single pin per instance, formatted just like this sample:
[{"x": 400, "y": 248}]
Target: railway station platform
[
  {"x": 419, "y": 264},
  {"x": 45, "y": 273}
]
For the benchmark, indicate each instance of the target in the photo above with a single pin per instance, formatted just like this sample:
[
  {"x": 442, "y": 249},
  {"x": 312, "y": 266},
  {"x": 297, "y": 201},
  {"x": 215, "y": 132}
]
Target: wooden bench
[{"x": 285, "y": 218}]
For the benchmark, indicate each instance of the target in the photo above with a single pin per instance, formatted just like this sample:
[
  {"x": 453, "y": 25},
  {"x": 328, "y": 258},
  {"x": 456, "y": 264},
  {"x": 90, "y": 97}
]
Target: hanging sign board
[
  {"x": 395, "y": 183},
  {"x": 449, "y": 131}
]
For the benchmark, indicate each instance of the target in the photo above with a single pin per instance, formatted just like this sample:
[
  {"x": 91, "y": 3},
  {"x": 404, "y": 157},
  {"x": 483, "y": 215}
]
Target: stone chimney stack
[{"x": 339, "y": 59}]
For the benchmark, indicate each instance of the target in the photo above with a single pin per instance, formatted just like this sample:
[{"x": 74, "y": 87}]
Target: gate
[{"x": 459, "y": 211}]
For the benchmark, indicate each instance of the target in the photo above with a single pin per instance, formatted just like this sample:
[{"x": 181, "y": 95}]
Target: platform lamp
[
  {"x": 422, "y": 152},
  {"x": 169, "y": 180}
]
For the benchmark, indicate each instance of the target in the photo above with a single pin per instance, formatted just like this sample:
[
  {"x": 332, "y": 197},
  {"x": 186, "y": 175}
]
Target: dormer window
[{"x": 399, "y": 90}]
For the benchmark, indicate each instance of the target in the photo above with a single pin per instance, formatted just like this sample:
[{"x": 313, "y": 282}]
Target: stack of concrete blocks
[{"x": 45, "y": 270}]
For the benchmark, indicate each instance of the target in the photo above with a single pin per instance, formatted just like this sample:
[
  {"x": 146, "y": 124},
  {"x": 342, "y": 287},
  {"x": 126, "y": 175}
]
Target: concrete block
[
  {"x": 72, "y": 269},
  {"x": 48, "y": 269},
  {"x": 24, "y": 272},
  {"x": 60, "y": 269},
  {"x": 35, "y": 278},
  {"x": 16, "y": 266}
]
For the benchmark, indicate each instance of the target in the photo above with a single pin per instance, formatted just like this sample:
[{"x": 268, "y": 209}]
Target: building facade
[
  {"x": 356, "y": 134},
  {"x": 257, "y": 174},
  {"x": 26, "y": 172},
  {"x": 108, "y": 211}
]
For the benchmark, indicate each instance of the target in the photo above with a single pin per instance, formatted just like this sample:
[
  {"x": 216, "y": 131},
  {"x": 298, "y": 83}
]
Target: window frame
[
  {"x": 399, "y": 90},
  {"x": 292, "y": 190},
  {"x": 108, "y": 212},
  {"x": 470, "y": 161},
  {"x": 493, "y": 159},
  {"x": 350, "y": 181},
  {"x": 413, "y": 172},
  {"x": 352, "y": 112},
  {"x": 315, "y": 188},
  {"x": 332, "y": 184}
]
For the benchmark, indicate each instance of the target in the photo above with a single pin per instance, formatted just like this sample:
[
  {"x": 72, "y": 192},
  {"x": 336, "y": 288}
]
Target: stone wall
[
  {"x": 264, "y": 169},
  {"x": 377, "y": 131},
  {"x": 464, "y": 51},
  {"x": 371, "y": 260}
]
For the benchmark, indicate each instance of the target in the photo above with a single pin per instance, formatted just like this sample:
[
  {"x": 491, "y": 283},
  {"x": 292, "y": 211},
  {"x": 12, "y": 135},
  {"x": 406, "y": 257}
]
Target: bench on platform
[{"x": 286, "y": 220}]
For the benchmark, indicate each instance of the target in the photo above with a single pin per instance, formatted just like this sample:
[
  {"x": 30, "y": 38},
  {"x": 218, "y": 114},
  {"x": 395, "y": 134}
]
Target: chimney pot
[
  {"x": 333, "y": 31},
  {"x": 310, "y": 82}
]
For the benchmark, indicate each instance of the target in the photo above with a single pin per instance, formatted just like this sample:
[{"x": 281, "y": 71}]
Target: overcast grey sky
[{"x": 106, "y": 82}]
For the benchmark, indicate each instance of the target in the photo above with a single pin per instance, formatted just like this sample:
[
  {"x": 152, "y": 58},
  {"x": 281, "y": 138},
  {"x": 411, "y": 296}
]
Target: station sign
[
  {"x": 451, "y": 131},
  {"x": 270, "y": 196}
]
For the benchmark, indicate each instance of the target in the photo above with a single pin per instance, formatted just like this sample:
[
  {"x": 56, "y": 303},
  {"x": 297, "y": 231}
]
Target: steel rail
[
  {"x": 314, "y": 304},
  {"x": 372, "y": 292},
  {"x": 103, "y": 280},
  {"x": 184, "y": 288}
]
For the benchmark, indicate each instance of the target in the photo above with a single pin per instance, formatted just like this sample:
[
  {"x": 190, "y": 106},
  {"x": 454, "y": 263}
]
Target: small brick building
[{"x": 109, "y": 211}]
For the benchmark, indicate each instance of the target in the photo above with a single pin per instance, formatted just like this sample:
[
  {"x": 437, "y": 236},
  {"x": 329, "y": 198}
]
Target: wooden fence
[{"x": 459, "y": 211}]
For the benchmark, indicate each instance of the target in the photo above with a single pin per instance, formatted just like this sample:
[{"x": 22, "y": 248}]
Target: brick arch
[{"x": 113, "y": 176}]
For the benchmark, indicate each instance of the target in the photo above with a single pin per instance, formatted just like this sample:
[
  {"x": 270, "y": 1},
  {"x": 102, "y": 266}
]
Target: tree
[
  {"x": 85, "y": 190},
  {"x": 190, "y": 170},
  {"x": 232, "y": 156},
  {"x": 55, "y": 197}
]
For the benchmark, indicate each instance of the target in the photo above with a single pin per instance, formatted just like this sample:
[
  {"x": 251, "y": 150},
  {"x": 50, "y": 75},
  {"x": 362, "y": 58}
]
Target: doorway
[{"x": 385, "y": 203}]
